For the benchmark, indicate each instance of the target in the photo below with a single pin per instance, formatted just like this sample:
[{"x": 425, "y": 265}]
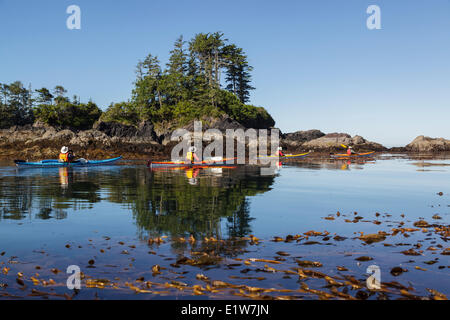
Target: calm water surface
[{"x": 52, "y": 218}]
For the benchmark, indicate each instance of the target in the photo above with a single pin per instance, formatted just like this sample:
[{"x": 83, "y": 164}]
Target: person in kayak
[
  {"x": 280, "y": 152},
  {"x": 350, "y": 151},
  {"x": 64, "y": 154},
  {"x": 191, "y": 156}
]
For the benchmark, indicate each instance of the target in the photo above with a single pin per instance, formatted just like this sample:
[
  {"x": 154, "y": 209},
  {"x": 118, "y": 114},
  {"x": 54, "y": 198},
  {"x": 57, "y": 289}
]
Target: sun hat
[
  {"x": 192, "y": 149},
  {"x": 64, "y": 149}
]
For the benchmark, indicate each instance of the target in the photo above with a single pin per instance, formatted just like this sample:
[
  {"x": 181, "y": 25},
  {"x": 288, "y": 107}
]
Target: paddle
[{"x": 19, "y": 161}]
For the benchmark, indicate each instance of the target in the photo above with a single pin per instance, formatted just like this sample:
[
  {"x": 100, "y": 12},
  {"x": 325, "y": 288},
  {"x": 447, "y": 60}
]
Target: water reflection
[
  {"x": 181, "y": 202},
  {"x": 354, "y": 164},
  {"x": 175, "y": 202}
]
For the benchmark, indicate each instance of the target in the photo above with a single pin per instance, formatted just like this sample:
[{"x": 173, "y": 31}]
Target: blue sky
[{"x": 316, "y": 65}]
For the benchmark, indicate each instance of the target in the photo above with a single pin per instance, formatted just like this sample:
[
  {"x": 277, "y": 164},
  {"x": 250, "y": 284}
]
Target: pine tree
[
  {"x": 45, "y": 96},
  {"x": 238, "y": 73},
  {"x": 178, "y": 58},
  {"x": 147, "y": 93}
]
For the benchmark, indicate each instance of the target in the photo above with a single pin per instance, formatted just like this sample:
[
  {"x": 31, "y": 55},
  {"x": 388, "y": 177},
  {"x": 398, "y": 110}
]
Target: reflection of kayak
[
  {"x": 57, "y": 164},
  {"x": 356, "y": 155},
  {"x": 193, "y": 166},
  {"x": 202, "y": 164},
  {"x": 287, "y": 156},
  {"x": 219, "y": 161}
]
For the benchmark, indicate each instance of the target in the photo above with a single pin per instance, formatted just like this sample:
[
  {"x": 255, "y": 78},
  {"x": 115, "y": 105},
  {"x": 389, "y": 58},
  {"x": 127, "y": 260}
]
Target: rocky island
[{"x": 34, "y": 124}]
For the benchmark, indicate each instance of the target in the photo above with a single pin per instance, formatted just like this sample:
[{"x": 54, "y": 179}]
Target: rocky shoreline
[{"x": 108, "y": 139}]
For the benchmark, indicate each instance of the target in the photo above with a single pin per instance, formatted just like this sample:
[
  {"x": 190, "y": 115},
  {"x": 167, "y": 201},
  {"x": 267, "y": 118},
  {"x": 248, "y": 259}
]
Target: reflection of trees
[
  {"x": 41, "y": 193},
  {"x": 161, "y": 202},
  {"x": 239, "y": 223},
  {"x": 164, "y": 202}
]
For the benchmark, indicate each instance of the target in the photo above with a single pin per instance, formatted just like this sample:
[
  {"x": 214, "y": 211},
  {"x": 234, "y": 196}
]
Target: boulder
[
  {"x": 334, "y": 142},
  {"x": 144, "y": 132},
  {"x": 221, "y": 123},
  {"x": 427, "y": 144},
  {"x": 296, "y": 139}
]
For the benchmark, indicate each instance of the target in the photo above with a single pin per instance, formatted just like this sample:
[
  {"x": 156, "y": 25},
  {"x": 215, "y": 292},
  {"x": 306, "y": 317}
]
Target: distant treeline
[
  {"x": 208, "y": 78},
  {"x": 21, "y": 106}
]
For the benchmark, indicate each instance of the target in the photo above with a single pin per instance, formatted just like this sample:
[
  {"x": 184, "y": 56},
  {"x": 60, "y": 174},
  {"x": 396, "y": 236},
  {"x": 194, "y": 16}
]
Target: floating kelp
[{"x": 280, "y": 267}]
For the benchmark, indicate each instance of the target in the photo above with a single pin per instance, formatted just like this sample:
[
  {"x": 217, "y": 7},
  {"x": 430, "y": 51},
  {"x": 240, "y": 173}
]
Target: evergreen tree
[
  {"x": 178, "y": 58},
  {"x": 59, "y": 93},
  {"x": 45, "y": 96},
  {"x": 147, "y": 93},
  {"x": 238, "y": 73}
]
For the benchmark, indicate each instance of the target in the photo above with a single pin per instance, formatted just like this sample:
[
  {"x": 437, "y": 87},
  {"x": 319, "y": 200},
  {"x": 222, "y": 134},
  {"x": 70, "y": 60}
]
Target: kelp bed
[{"x": 412, "y": 255}]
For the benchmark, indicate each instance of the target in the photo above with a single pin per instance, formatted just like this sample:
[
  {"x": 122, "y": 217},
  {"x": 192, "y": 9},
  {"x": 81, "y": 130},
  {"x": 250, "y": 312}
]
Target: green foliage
[
  {"x": 248, "y": 115},
  {"x": 190, "y": 87},
  {"x": 68, "y": 115},
  {"x": 15, "y": 105},
  {"x": 123, "y": 112}
]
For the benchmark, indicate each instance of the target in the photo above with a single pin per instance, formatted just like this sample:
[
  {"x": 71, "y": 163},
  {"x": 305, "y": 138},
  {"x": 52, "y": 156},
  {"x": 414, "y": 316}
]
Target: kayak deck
[{"x": 57, "y": 164}]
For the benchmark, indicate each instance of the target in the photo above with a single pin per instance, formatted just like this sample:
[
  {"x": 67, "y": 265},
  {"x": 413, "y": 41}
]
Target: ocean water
[{"x": 101, "y": 219}]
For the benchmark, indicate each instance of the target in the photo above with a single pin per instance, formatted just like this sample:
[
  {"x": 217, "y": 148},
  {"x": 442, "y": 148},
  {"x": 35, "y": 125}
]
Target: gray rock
[
  {"x": 334, "y": 141},
  {"x": 300, "y": 137},
  {"x": 427, "y": 144}
]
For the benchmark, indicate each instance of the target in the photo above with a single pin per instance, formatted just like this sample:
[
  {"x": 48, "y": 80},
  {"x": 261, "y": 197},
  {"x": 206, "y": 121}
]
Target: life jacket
[
  {"x": 280, "y": 153},
  {"x": 190, "y": 156},
  {"x": 349, "y": 151},
  {"x": 64, "y": 157}
]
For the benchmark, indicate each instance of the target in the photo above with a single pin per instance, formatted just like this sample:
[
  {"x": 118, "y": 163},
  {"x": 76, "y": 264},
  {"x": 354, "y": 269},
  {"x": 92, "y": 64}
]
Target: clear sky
[{"x": 316, "y": 64}]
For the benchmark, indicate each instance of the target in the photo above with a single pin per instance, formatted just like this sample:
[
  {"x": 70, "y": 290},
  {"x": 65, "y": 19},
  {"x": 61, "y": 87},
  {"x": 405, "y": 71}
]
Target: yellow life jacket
[
  {"x": 190, "y": 156},
  {"x": 64, "y": 157},
  {"x": 189, "y": 173}
]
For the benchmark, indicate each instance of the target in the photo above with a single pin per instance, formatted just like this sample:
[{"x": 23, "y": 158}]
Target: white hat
[
  {"x": 192, "y": 149},
  {"x": 193, "y": 181},
  {"x": 280, "y": 148},
  {"x": 64, "y": 149}
]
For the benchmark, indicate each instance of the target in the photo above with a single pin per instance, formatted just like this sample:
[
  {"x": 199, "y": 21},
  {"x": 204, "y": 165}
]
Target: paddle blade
[
  {"x": 344, "y": 146},
  {"x": 19, "y": 161}
]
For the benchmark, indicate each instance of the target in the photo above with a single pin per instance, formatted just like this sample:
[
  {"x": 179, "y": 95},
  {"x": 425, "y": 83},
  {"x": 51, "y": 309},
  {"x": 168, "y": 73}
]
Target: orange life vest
[{"x": 64, "y": 157}]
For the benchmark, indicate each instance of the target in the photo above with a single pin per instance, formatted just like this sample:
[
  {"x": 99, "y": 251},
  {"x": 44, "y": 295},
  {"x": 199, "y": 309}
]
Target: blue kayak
[{"x": 57, "y": 164}]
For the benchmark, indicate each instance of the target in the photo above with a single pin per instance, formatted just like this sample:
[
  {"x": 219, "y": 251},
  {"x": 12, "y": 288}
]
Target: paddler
[
  {"x": 64, "y": 154},
  {"x": 280, "y": 153},
  {"x": 191, "y": 156},
  {"x": 350, "y": 151}
]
